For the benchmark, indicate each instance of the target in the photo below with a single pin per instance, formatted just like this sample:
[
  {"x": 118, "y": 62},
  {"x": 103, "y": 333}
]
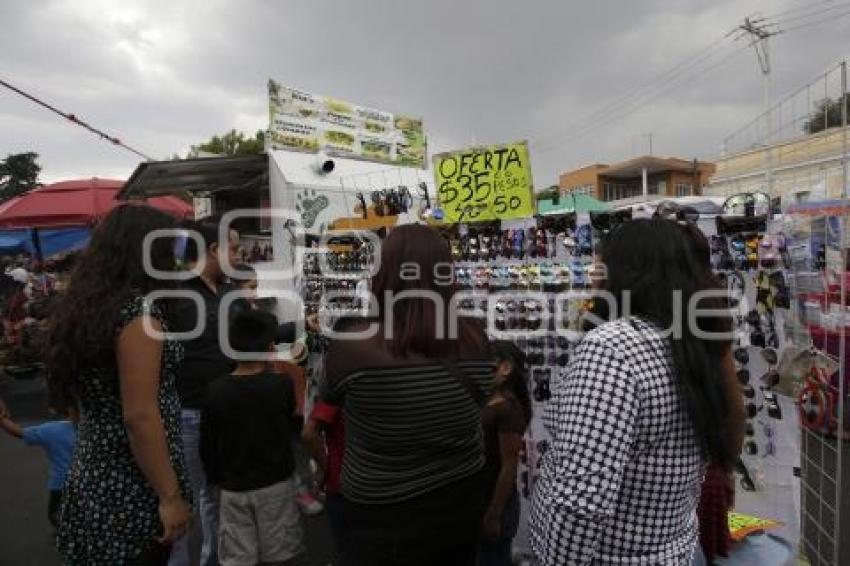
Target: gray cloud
[{"x": 163, "y": 75}]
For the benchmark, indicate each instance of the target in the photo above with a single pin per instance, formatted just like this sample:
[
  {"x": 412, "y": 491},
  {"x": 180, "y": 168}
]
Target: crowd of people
[
  {"x": 28, "y": 286},
  {"x": 417, "y": 432}
]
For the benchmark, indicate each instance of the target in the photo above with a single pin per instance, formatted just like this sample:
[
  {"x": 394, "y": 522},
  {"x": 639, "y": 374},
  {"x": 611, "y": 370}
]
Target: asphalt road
[{"x": 26, "y": 538}]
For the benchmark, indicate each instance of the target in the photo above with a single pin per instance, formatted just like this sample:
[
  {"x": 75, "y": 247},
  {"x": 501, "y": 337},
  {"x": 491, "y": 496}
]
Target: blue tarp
[
  {"x": 15, "y": 241},
  {"x": 52, "y": 240},
  {"x": 57, "y": 240}
]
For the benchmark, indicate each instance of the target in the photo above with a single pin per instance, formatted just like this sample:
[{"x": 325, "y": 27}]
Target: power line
[
  {"x": 653, "y": 94},
  {"x": 639, "y": 97},
  {"x": 812, "y": 13},
  {"x": 816, "y": 23},
  {"x": 800, "y": 8},
  {"x": 637, "y": 105},
  {"x": 811, "y": 8},
  {"x": 72, "y": 118},
  {"x": 618, "y": 102}
]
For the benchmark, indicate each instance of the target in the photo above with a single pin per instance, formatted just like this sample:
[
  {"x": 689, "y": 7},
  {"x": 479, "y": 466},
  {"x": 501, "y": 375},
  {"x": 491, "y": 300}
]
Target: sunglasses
[
  {"x": 770, "y": 356},
  {"x": 770, "y": 379},
  {"x": 752, "y": 410},
  {"x": 742, "y": 356}
]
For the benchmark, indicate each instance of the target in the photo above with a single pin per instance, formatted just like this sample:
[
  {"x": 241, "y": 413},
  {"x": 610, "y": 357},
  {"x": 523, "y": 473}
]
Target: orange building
[{"x": 642, "y": 178}]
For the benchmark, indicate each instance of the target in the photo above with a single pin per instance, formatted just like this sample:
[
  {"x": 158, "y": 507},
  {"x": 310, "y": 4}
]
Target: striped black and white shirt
[{"x": 411, "y": 426}]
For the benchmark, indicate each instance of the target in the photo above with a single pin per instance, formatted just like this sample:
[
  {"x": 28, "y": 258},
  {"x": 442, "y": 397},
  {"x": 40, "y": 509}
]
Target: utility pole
[
  {"x": 760, "y": 34},
  {"x": 649, "y": 135}
]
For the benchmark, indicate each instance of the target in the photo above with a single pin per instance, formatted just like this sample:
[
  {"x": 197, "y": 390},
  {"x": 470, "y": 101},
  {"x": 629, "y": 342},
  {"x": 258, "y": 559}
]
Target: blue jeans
[{"x": 205, "y": 496}]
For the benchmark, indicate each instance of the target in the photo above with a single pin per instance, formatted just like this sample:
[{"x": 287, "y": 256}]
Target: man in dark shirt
[
  {"x": 246, "y": 448},
  {"x": 204, "y": 361}
]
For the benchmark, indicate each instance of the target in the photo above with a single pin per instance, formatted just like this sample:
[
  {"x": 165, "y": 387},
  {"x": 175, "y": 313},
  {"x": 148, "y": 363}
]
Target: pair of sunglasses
[
  {"x": 741, "y": 356},
  {"x": 770, "y": 356}
]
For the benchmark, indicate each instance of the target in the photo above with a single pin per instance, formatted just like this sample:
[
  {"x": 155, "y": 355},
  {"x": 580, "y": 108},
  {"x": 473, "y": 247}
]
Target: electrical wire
[
  {"x": 803, "y": 8},
  {"x": 811, "y": 14},
  {"x": 634, "y": 107},
  {"x": 642, "y": 89},
  {"x": 637, "y": 98},
  {"x": 72, "y": 118},
  {"x": 828, "y": 19}
]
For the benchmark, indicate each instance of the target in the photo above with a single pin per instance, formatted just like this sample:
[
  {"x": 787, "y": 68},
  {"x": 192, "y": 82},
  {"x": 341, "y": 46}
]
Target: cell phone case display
[{"x": 817, "y": 325}]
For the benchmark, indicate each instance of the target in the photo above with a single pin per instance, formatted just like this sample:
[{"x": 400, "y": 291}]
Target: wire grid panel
[{"x": 795, "y": 149}]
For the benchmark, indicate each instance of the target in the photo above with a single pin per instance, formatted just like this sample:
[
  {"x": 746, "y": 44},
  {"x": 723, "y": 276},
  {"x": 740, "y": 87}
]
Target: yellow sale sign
[{"x": 485, "y": 183}]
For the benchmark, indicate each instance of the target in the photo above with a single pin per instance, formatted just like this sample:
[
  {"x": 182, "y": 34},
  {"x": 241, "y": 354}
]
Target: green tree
[
  {"x": 827, "y": 114},
  {"x": 18, "y": 174},
  {"x": 231, "y": 143}
]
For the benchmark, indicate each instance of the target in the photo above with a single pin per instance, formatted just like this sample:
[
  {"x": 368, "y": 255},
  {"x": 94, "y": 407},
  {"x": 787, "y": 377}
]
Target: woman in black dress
[{"x": 127, "y": 493}]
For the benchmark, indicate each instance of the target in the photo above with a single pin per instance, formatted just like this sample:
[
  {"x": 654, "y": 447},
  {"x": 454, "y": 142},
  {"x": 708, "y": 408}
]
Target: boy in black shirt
[{"x": 246, "y": 450}]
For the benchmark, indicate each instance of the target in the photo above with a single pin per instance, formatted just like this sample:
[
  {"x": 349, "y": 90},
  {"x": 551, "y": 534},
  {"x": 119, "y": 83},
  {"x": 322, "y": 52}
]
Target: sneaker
[{"x": 308, "y": 504}]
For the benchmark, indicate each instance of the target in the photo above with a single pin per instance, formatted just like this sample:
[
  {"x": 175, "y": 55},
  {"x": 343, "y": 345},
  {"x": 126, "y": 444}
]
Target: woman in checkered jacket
[{"x": 639, "y": 413}]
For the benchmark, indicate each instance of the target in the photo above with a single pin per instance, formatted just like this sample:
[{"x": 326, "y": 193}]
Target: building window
[
  {"x": 581, "y": 190},
  {"x": 684, "y": 189}
]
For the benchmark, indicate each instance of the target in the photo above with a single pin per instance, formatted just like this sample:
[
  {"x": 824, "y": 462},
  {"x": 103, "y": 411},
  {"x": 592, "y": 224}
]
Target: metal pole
[
  {"x": 844, "y": 128},
  {"x": 768, "y": 126},
  {"x": 842, "y": 335}
]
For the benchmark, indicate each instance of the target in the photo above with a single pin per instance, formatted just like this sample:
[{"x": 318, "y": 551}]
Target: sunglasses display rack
[
  {"x": 529, "y": 281},
  {"x": 753, "y": 266},
  {"x": 328, "y": 288}
]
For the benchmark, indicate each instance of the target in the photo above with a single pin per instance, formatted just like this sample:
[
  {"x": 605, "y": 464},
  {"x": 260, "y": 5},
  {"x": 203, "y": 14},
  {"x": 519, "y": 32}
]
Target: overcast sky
[{"x": 162, "y": 75}]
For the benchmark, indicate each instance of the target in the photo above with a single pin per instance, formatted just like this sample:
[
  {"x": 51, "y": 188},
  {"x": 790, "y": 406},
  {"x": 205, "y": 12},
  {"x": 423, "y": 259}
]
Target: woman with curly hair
[{"x": 127, "y": 493}]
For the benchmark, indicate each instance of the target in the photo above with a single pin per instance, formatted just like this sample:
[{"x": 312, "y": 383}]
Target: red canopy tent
[{"x": 75, "y": 203}]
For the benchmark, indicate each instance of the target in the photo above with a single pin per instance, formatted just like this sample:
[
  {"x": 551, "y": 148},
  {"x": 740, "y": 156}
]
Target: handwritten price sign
[{"x": 485, "y": 183}]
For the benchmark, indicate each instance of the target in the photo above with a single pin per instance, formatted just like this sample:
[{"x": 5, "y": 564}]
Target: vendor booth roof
[
  {"x": 580, "y": 204},
  {"x": 51, "y": 241},
  {"x": 203, "y": 175},
  {"x": 74, "y": 203}
]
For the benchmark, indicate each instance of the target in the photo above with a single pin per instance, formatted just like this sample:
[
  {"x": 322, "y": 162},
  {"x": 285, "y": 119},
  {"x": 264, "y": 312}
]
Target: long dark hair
[
  {"x": 517, "y": 382},
  {"x": 106, "y": 275},
  {"x": 415, "y": 320},
  {"x": 652, "y": 260}
]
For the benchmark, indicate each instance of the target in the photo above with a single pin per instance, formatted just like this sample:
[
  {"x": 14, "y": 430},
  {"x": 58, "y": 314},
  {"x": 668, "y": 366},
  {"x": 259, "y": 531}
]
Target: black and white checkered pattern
[{"x": 621, "y": 482}]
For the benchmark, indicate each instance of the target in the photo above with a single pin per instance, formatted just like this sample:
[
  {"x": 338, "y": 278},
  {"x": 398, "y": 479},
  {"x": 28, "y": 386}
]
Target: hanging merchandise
[
  {"x": 812, "y": 368},
  {"x": 529, "y": 279}
]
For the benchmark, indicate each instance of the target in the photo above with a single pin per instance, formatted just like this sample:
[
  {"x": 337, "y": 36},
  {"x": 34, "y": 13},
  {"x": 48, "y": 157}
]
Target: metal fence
[{"x": 797, "y": 149}]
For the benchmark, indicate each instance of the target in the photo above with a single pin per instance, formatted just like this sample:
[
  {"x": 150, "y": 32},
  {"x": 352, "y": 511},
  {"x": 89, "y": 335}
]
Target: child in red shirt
[{"x": 324, "y": 435}]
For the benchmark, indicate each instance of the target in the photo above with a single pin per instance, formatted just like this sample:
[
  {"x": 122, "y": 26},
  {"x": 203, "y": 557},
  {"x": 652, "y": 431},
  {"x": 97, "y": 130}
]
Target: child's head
[
  {"x": 511, "y": 373},
  {"x": 69, "y": 412},
  {"x": 253, "y": 331},
  {"x": 247, "y": 281}
]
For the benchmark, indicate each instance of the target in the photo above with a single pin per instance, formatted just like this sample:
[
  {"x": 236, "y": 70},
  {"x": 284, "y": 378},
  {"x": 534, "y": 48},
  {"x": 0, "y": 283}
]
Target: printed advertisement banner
[
  {"x": 308, "y": 122},
  {"x": 485, "y": 183}
]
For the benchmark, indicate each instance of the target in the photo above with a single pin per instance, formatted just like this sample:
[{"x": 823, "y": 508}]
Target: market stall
[{"x": 316, "y": 204}]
